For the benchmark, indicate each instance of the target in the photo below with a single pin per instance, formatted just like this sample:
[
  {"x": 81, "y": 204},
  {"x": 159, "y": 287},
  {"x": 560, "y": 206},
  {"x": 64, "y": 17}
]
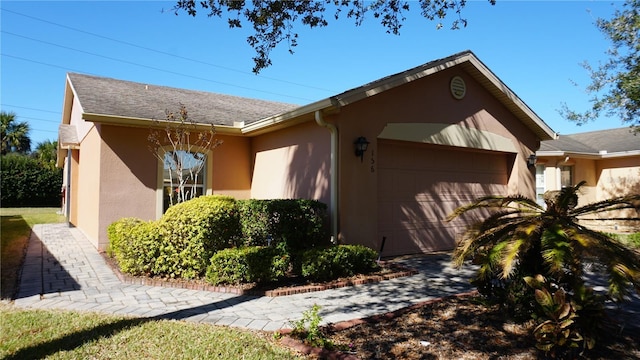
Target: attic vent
[{"x": 458, "y": 87}]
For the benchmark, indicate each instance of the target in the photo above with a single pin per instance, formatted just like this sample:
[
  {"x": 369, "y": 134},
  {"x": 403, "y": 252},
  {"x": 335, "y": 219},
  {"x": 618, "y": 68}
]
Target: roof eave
[
  {"x": 149, "y": 123},
  {"x": 620, "y": 154},
  {"x": 586, "y": 155},
  {"x": 290, "y": 118}
]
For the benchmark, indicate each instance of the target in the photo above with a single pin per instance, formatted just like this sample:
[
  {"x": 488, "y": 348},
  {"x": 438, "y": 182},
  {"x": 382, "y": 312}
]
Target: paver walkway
[{"x": 62, "y": 270}]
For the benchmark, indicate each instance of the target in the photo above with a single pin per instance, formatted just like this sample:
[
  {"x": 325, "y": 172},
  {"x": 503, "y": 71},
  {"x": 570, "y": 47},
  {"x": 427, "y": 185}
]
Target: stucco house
[
  {"x": 439, "y": 135},
  {"x": 609, "y": 162}
]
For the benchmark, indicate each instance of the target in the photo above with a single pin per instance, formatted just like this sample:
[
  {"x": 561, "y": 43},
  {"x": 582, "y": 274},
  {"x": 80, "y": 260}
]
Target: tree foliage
[
  {"x": 181, "y": 147},
  {"x": 273, "y": 21},
  {"x": 15, "y": 135},
  {"x": 47, "y": 153},
  {"x": 615, "y": 84},
  {"x": 27, "y": 183}
]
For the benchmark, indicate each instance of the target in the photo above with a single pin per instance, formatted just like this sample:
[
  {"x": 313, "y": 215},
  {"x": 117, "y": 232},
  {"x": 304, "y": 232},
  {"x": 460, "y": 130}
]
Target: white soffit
[{"x": 447, "y": 134}]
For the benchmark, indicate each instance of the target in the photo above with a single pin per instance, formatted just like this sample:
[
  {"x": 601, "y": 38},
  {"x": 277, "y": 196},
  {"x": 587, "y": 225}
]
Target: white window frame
[{"x": 207, "y": 183}]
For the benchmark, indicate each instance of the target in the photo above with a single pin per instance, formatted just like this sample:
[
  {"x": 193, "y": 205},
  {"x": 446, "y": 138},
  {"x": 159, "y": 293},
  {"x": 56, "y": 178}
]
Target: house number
[{"x": 373, "y": 161}]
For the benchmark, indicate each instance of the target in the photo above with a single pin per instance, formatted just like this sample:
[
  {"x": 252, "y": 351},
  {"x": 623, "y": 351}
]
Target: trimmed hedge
[
  {"x": 181, "y": 243},
  {"x": 338, "y": 261},
  {"x": 192, "y": 231},
  {"x": 134, "y": 245},
  {"x": 204, "y": 237},
  {"x": 248, "y": 264},
  {"x": 28, "y": 183},
  {"x": 298, "y": 223}
]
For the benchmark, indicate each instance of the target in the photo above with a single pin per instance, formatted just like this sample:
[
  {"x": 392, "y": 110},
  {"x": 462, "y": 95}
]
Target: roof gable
[
  {"x": 470, "y": 64},
  {"x": 466, "y": 60}
]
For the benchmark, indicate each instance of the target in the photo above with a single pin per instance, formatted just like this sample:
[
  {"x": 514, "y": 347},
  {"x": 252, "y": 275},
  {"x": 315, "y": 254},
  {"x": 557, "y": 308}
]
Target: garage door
[{"x": 420, "y": 184}]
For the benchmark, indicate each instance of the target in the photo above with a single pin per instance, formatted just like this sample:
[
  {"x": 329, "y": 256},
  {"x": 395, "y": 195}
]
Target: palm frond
[
  {"x": 502, "y": 217},
  {"x": 618, "y": 203},
  {"x": 622, "y": 263},
  {"x": 476, "y": 238},
  {"x": 556, "y": 249},
  {"x": 496, "y": 202},
  {"x": 510, "y": 255}
]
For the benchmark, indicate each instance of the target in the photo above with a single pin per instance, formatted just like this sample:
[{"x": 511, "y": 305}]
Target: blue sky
[{"x": 535, "y": 47}]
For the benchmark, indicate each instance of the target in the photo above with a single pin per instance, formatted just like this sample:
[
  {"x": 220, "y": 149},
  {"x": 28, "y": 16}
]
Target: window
[
  {"x": 184, "y": 176},
  {"x": 566, "y": 176},
  {"x": 540, "y": 188}
]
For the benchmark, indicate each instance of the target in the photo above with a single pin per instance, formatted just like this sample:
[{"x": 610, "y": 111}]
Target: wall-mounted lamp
[
  {"x": 361, "y": 145},
  {"x": 531, "y": 161}
]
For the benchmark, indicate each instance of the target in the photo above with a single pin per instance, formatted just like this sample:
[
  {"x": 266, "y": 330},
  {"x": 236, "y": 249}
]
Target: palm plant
[
  {"x": 15, "y": 135},
  {"x": 47, "y": 153},
  {"x": 521, "y": 238}
]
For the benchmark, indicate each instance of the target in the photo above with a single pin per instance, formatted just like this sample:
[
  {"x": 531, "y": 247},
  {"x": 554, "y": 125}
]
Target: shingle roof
[
  {"x": 594, "y": 142},
  {"x": 112, "y": 97}
]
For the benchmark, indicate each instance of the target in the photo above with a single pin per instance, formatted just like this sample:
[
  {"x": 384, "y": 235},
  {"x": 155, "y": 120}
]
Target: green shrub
[
  {"x": 192, "y": 231},
  {"x": 28, "y": 183},
  {"x": 119, "y": 232},
  {"x": 308, "y": 329},
  {"x": 333, "y": 262},
  {"x": 300, "y": 224},
  {"x": 134, "y": 244},
  {"x": 247, "y": 264},
  {"x": 568, "y": 323}
]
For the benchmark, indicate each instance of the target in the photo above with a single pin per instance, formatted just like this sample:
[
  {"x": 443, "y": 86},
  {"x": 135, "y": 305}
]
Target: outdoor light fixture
[
  {"x": 361, "y": 145},
  {"x": 531, "y": 161}
]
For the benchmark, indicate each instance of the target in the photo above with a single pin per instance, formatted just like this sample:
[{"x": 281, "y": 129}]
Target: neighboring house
[
  {"x": 609, "y": 162},
  {"x": 439, "y": 135}
]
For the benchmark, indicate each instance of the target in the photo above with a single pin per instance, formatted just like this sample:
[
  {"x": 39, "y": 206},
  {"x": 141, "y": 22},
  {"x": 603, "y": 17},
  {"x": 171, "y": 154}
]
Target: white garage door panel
[{"x": 419, "y": 186}]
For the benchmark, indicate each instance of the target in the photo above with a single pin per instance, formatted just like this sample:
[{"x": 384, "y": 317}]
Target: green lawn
[
  {"x": 36, "y": 334},
  {"x": 15, "y": 225}
]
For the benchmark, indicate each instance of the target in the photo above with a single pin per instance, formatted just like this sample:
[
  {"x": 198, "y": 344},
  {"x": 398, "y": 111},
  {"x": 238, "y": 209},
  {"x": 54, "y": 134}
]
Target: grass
[
  {"x": 35, "y": 334},
  {"x": 631, "y": 240},
  {"x": 16, "y": 226}
]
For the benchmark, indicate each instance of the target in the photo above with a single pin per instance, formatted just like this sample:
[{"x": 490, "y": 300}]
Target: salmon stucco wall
[
  {"x": 605, "y": 178},
  {"x": 114, "y": 165},
  {"x": 87, "y": 186},
  {"x": 618, "y": 177},
  {"x": 232, "y": 167},
  {"x": 125, "y": 170},
  {"x": 73, "y": 208},
  {"x": 292, "y": 163},
  {"x": 583, "y": 170},
  {"x": 422, "y": 101},
  {"x": 82, "y": 126}
]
